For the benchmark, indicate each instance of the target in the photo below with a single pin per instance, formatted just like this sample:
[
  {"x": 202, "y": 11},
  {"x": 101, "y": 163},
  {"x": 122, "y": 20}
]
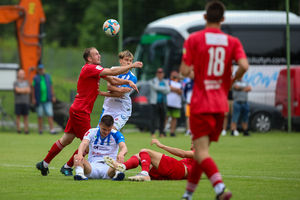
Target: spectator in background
[
  {"x": 159, "y": 88},
  {"x": 187, "y": 93},
  {"x": 226, "y": 115},
  {"x": 42, "y": 97},
  {"x": 240, "y": 107},
  {"x": 22, "y": 100},
  {"x": 174, "y": 101}
]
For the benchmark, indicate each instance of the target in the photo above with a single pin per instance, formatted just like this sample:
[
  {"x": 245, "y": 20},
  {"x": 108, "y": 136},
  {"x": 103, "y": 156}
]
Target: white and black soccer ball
[{"x": 111, "y": 27}]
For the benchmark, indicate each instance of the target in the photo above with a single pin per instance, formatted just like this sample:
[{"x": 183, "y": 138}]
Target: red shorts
[
  {"x": 79, "y": 123},
  {"x": 169, "y": 169},
  {"x": 206, "y": 124}
]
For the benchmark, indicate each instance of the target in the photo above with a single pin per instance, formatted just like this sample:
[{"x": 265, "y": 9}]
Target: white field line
[
  {"x": 228, "y": 176},
  {"x": 20, "y": 166}
]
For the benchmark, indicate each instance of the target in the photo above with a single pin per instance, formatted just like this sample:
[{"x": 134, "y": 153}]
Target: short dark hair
[
  {"x": 87, "y": 53},
  {"x": 214, "y": 11},
  {"x": 107, "y": 120}
]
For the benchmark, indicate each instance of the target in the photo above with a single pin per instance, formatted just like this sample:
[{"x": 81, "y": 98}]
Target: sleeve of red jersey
[
  {"x": 187, "y": 57},
  {"x": 239, "y": 50},
  {"x": 95, "y": 70}
]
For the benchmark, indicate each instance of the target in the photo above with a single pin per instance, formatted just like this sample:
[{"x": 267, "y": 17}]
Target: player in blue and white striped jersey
[
  {"x": 101, "y": 142},
  {"x": 117, "y": 102}
]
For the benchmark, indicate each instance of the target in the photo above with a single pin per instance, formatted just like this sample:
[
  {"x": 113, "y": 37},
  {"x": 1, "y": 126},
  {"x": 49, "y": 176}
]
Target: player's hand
[
  {"x": 79, "y": 158},
  {"x": 156, "y": 142},
  {"x": 120, "y": 158},
  {"x": 137, "y": 64},
  {"x": 131, "y": 84},
  {"x": 125, "y": 89}
]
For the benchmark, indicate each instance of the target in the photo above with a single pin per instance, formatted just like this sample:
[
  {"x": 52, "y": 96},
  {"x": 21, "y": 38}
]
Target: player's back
[{"x": 211, "y": 54}]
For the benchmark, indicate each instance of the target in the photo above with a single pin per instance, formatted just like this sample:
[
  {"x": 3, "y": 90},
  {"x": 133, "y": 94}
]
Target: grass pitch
[{"x": 263, "y": 166}]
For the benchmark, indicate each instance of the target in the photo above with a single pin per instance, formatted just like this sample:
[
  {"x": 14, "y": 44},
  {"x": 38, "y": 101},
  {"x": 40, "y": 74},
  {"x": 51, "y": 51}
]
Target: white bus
[{"x": 262, "y": 33}]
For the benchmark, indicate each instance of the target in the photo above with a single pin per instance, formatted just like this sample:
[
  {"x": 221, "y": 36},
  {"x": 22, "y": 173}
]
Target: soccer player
[
  {"x": 87, "y": 92},
  {"x": 209, "y": 53},
  {"x": 155, "y": 165},
  {"x": 117, "y": 102},
  {"x": 101, "y": 142}
]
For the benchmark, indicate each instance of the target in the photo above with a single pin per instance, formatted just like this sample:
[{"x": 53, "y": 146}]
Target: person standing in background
[
  {"x": 42, "y": 98},
  {"x": 159, "y": 88},
  {"x": 227, "y": 114},
  {"x": 187, "y": 93},
  {"x": 22, "y": 100},
  {"x": 240, "y": 107},
  {"x": 174, "y": 101}
]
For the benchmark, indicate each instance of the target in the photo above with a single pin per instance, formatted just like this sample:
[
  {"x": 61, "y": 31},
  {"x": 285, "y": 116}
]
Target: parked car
[
  {"x": 281, "y": 96},
  {"x": 262, "y": 117}
]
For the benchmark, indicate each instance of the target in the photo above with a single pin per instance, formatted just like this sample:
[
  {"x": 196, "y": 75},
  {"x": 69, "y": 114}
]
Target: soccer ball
[{"x": 111, "y": 27}]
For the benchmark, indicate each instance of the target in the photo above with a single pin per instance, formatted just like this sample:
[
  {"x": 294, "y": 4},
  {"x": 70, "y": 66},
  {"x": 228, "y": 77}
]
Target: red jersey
[
  {"x": 211, "y": 53},
  {"x": 188, "y": 162},
  {"x": 87, "y": 88}
]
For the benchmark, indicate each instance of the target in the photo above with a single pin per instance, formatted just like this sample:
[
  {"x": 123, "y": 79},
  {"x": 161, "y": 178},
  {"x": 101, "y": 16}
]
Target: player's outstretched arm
[
  {"x": 123, "y": 151},
  {"x": 119, "y": 81},
  {"x": 175, "y": 151},
  {"x": 82, "y": 148},
  {"x": 120, "y": 70}
]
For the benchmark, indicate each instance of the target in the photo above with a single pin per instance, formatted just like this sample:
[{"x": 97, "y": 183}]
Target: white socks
[
  {"x": 67, "y": 166},
  {"x": 45, "y": 164},
  {"x": 219, "y": 188},
  {"x": 79, "y": 170},
  {"x": 144, "y": 173}
]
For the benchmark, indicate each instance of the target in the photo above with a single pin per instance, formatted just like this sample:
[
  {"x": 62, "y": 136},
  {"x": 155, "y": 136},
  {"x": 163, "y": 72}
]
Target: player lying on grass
[
  {"x": 155, "y": 165},
  {"x": 100, "y": 141}
]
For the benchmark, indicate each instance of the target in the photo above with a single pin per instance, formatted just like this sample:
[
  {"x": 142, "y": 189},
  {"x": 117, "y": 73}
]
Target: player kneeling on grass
[
  {"x": 101, "y": 142},
  {"x": 155, "y": 165}
]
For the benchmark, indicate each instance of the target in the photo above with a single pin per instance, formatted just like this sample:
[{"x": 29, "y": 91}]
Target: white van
[{"x": 262, "y": 33}]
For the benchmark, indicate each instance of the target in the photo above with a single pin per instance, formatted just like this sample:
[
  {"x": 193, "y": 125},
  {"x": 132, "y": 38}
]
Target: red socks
[
  {"x": 55, "y": 149},
  {"x": 132, "y": 162},
  {"x": 211, "y": 171},
  {"x": 207, "y": 166},
  {"x": 145, "y": 161},
  {"x": 194, "y": 177}
]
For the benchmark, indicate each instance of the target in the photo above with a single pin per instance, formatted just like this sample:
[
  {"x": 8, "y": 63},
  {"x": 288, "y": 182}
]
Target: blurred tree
[{"x": 79, "y": 22}]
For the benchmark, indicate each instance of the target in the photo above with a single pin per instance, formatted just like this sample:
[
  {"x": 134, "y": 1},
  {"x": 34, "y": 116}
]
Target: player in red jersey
[
  {"x": 210, "y": 53},
  {"x": 87, "y": 92},
  {"x": 155, "y": 165}
]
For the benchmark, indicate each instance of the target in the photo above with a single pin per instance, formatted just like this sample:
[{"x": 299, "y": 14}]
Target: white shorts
[
  {"x": 119, "y": 119},
  {"x": 99, "y": 171}
]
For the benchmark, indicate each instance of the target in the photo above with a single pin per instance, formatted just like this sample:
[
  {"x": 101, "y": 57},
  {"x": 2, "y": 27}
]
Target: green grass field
[{"x": 263, "y": 166}]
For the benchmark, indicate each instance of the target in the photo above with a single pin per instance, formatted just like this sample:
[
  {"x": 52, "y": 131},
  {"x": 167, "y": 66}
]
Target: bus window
[
  {"x": 262, "y": 46},
  {"x": 295, "y": 46},
  {"x": 154, "y": 52}
]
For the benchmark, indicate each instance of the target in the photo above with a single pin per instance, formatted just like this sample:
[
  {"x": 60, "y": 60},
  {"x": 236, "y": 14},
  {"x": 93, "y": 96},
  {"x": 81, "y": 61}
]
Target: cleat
[
  {"x": 225, "y": 195},
  {"x": 119, "y": 176},
  {"x": 79, "y": 177},
  {"x": 186, "y": 197},
  {"x": 44, "y": 170},
  {"x": 114, "y": 164},
  {"x": 66, "y": 171},
  {"x": 140, "y": 177}
]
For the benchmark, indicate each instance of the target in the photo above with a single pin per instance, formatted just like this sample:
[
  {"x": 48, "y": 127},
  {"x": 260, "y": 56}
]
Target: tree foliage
[{"x": 79, "y": 22}]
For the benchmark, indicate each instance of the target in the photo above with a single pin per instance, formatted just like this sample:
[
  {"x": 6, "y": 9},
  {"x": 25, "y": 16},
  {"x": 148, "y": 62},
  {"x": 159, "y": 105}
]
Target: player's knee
[{"x": 144, "y": 150}]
